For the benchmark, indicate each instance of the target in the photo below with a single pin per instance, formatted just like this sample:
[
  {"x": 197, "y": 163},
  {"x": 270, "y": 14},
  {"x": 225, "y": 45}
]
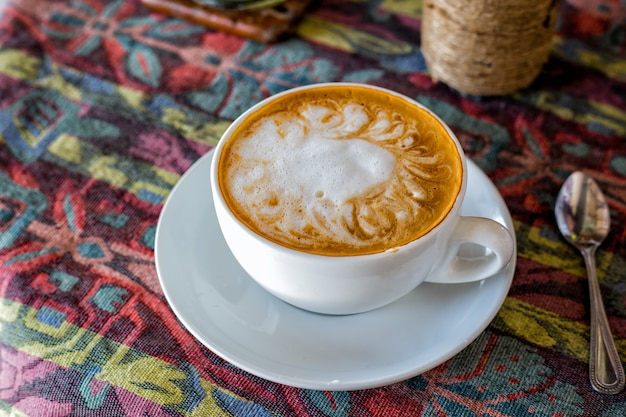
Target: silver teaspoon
[{"x": 583, "y": 218}]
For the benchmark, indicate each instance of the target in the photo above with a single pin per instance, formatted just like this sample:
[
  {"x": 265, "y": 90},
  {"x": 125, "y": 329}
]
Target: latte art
[{"x": 340, "y": 171}]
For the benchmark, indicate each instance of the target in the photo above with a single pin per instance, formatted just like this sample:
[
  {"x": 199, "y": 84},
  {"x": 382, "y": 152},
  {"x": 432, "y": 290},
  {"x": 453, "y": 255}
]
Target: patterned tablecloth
[{"x": 105, "y": 104}]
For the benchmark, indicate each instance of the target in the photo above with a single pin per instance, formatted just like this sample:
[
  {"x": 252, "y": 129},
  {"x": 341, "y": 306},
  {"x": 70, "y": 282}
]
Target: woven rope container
[{"x": 487, "y": 47}]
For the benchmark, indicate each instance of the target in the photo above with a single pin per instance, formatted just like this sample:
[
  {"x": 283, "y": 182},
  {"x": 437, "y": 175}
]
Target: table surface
[{"x": 104, "y": 105}]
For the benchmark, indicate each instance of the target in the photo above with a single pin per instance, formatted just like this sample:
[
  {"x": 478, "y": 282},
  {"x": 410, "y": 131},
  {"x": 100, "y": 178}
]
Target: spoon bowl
[
  {"x": 583, "y": 218},
  {"x": 581, "y": 211}
]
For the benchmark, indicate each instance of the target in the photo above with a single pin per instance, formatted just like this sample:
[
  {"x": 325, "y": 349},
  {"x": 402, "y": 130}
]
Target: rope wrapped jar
[{"x": 487, "y": 47}]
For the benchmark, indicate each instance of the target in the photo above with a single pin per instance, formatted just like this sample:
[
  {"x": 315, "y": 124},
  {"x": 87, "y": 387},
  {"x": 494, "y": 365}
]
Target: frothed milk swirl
[{"x": 340, "y": 171}]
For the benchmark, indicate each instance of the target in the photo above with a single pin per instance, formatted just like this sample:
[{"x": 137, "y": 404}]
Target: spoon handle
[{"x": 606, "y": 372}]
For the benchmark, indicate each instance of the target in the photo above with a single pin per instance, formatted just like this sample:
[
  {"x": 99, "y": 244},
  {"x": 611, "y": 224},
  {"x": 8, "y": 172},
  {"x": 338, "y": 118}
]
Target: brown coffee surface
[{"x": 340, "y": 170}]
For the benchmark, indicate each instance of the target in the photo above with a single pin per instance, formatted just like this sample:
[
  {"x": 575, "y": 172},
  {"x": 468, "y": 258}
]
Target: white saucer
[{"x": 234, "y": 317}]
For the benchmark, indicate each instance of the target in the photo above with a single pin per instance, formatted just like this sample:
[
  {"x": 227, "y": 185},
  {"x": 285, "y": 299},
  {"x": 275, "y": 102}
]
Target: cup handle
[{"x": 457, "y": 268}]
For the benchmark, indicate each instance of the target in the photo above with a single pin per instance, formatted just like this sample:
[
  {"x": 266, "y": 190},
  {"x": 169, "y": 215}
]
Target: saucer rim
[{"x": 309, "y": 382}]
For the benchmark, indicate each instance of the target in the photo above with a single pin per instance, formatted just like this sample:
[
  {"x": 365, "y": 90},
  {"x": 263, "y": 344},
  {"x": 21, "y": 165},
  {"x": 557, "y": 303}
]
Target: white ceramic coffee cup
[{"x": 358, "y": 283}]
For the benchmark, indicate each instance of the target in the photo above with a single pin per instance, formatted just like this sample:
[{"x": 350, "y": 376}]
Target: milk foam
[
  {"x": 306, "y": 166},
  {"x": 333, "y": 175}
]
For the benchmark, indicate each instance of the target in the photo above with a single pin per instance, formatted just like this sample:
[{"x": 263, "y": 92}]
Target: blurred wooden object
[{"x": 265, "y": 25}]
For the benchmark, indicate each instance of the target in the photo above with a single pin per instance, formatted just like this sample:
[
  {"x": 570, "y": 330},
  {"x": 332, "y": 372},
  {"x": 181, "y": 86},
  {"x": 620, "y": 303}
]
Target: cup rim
[{"x": 219, "y": 197}]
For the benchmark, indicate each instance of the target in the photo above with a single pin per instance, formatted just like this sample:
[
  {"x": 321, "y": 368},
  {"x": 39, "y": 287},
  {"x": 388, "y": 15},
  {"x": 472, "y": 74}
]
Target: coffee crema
[{"x": 340, "y": 170}]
